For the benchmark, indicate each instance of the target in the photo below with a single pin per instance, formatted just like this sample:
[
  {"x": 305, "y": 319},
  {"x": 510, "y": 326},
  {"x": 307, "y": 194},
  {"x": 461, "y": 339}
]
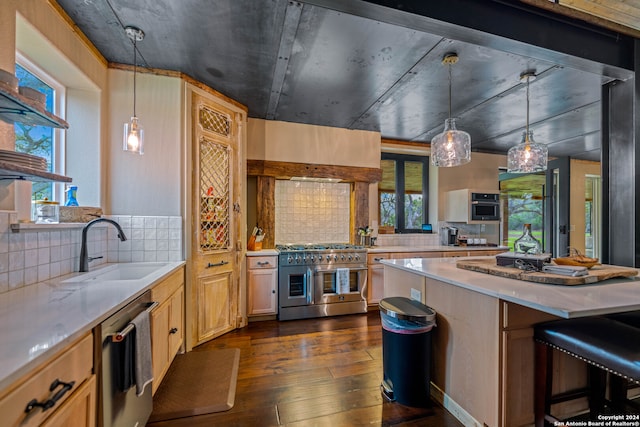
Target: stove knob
[
  {"x": 350, "y": 258},
  {"x": 289, "y": 259},
  {"x": 313, "y": 258},
  {"x": 356, "y": 257},
  {"x": 335, "y": 257},
  {"x": 342, "y": 257},
  {"x": 297, "y": 259}
]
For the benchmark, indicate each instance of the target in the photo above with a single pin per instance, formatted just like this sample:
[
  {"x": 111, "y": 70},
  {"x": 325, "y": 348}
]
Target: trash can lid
[{"x": 406, "y": 309}]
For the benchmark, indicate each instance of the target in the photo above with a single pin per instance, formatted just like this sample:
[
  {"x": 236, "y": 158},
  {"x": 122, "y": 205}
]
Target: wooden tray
[{"x": 596, "y": 274}]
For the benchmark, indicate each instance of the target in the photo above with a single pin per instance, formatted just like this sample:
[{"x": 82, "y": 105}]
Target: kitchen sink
[{"x": 124, "y": 271}]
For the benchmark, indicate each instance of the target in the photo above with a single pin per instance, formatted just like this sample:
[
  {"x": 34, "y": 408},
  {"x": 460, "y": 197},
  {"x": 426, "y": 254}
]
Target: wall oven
[
  {"x": 321, "y": 280},
  {"x": 485, "y": 207}
]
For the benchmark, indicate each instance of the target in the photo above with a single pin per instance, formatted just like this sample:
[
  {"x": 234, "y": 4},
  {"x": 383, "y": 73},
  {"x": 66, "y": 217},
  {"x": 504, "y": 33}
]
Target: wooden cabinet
[
  {"x": 262, "y": 285},
  {"x": 217, "y": 132},
  {"x": 167, "y": 324},
  {"x": 72, "y": 370}
]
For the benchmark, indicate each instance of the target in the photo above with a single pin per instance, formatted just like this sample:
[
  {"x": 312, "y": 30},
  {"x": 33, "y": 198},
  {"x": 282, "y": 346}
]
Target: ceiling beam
[{"x": 509, "y": 26}]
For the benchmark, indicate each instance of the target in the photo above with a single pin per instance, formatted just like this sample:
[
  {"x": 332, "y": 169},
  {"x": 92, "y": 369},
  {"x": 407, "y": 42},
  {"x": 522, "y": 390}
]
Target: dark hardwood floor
[{"x": 314, "y": 372}]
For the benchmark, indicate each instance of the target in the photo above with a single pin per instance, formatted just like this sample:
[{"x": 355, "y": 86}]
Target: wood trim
[
  {"x": 286, "y": 170},
  {"x": 360, "y": 211},
  {"x": 399, "y": 143},
  {"x": 85, "y": 40},
  {"x": 184, "y": 77},
  {"x": 583, "y": 16},
  {"x": 265, "y": 209}
]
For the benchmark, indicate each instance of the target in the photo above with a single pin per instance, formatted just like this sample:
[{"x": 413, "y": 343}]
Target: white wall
[{"x": 150, "y": 184}]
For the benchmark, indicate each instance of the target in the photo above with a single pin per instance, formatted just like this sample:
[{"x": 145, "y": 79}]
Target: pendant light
[
  {"x": 452, "y": 147},
  {"x": 528, "y": 156},
  {"x": 133, "y": 132}
]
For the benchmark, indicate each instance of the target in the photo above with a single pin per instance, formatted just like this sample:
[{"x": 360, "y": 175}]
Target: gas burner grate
[{"x": 318, "y": 247}]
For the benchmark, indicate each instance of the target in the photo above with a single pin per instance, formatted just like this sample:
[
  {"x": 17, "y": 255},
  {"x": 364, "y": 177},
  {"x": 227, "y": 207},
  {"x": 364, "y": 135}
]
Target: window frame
[
  {"x": 58, "y": 165},
  {"x": 400, "y": 160}
]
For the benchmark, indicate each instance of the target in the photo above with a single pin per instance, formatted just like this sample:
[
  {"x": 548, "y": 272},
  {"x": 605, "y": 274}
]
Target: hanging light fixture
[
  {"x": 133, "y": 132},
  {"x": 452, "y": 147},
  {"x": 528, "y": 156}
]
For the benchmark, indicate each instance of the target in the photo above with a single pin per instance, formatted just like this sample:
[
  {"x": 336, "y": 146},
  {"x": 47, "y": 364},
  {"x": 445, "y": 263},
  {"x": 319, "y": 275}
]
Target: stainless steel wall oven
[{"x": 321, "y": 280}]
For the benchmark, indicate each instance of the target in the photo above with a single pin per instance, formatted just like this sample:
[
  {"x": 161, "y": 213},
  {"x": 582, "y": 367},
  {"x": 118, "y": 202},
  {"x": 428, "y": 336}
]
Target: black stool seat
[{"x": 601, "y": 341}]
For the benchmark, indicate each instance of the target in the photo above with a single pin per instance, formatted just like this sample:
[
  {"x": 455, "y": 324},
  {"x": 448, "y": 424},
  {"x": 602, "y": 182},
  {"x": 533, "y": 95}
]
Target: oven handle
[
  {"x": 309, "y": 286},
  {"x": 332, "y": 269}
]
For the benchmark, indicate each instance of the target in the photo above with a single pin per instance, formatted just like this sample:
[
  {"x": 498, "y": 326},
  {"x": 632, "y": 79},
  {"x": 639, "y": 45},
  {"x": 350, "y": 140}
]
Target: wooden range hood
[{"x": 268, "y": 171}]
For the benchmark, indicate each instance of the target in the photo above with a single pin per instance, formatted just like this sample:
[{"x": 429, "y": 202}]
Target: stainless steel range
[{"x": 321, "y": 280}]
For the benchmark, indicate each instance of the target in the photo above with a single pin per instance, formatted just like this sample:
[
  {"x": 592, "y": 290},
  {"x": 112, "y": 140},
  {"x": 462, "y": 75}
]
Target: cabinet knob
[
  {"x": 273, "y": 291},
  {"x": 173, "y": 330}
]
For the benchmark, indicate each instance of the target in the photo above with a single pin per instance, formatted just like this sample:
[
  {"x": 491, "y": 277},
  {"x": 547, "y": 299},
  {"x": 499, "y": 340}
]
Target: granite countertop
[
  {"x": 609, "y": 296},
  {"x": 38, "y": 320}
]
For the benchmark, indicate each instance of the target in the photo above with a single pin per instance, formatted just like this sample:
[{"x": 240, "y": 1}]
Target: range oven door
[
  {"x": 326, "y": 288},
  {"x": 295, "y": 286}
]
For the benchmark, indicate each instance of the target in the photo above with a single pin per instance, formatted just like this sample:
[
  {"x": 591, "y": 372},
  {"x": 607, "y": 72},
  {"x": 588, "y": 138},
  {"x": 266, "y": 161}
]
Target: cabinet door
[
  {"x": 214, "y": 313},
  {"x": 159, "y": 342},
  {"x": 262, "y": 291},
  {"x": 376, "y": 284},
  {"x": 176, "y": 323},
  {"x": 216, "y": 219},
  {"x": 79, "y": 410}
]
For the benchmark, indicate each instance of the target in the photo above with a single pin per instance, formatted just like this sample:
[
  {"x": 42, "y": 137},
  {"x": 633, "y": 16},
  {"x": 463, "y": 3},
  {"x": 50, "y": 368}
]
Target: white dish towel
[{"x": 342, "y": 280}]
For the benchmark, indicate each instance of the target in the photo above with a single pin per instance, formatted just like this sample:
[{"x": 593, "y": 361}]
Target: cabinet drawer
[
  {"x": 375, "y": 258},
  {"x": 163, "y": 290},
  {"x": 74, "y": 364},
  {"x": 262, "y": 262}
]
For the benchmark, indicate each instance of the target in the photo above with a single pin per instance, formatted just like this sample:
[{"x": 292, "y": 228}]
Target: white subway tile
[
  {"x": 44, "y": 273},
  {"x": 150, "y": 222},
  {"x": 4, "y": 282}
]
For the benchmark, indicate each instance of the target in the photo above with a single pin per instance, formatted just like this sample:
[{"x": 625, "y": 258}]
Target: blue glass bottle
[{"x": 71, "y": 196}]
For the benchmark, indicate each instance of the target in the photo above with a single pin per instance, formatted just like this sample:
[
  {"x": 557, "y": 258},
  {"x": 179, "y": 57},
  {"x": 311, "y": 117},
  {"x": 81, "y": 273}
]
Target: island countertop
[{"x": 609, "y": 296}]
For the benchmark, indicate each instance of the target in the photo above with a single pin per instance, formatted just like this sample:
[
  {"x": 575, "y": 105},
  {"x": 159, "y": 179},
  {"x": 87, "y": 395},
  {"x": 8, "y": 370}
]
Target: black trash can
[{"x": 406, "y": 350}]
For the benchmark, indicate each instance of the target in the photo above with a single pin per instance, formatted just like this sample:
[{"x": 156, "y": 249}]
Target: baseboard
[{"x": 456, "y": 410}]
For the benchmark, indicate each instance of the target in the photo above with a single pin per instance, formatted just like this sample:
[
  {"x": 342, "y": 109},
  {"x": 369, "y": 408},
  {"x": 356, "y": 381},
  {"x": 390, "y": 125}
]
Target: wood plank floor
[{"x": 314, "y": 372}]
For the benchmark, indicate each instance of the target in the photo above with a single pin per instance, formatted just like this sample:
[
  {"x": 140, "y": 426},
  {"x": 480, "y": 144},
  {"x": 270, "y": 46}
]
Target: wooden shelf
[
  {"x": 17, "y": 108},
  {"x": 10, "y": 170}
]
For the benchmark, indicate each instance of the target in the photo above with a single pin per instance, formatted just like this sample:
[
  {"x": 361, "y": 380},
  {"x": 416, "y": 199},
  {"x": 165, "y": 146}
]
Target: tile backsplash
[
  {"x": 312, "y": 212},
  {"x": 33, "y": 255}
]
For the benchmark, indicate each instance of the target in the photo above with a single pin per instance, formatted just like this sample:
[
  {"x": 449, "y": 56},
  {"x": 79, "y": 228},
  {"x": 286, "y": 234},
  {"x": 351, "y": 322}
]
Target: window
[
  {"x": 41, "y": 141},
  {"x": 404, "y": 178}
]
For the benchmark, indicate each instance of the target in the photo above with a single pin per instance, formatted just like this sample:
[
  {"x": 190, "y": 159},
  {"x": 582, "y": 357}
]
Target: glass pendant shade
[
  {"x": 133, "y": 139},
  {"x": 528, "y": 156},
  {"x": 452, "y": 147}
]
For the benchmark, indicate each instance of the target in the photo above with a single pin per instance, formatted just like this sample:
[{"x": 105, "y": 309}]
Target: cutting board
[{"x": 596, "y": 273}]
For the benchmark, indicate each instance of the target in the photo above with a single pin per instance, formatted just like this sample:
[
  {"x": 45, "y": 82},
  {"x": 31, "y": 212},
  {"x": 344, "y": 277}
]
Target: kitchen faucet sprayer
[{"x": 84, "y": 256}]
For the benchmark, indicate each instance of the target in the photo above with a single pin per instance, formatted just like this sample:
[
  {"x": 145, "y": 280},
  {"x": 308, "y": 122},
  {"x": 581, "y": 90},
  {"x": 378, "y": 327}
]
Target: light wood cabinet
[
  {"x": 262, "y": 285},
  {"x": 167, "y": 324},
  {"x": 71, "y": 369},
  {"x": 217, "y": 132}
]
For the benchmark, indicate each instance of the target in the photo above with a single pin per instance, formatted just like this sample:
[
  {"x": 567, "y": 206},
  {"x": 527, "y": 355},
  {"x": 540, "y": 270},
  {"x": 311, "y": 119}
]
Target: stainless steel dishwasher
[{"x": 118, "y": 408}]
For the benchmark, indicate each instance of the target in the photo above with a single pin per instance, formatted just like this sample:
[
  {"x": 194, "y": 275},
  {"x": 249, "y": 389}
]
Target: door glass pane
[
  {"x": 413, "y": 202},
  {"x": 387, "y": 192},
  {"x": 523, "y": 198}
]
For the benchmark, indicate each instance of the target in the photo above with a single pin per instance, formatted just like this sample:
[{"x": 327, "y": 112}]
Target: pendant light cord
[
  {"x": 526, "y": 138},
  {"x": 135, "y": 61},
  {"x": 449, "y": 90}
]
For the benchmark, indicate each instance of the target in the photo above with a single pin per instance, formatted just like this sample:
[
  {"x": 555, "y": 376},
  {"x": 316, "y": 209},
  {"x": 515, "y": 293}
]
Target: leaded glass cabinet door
[{"x": 214, "y": 223}]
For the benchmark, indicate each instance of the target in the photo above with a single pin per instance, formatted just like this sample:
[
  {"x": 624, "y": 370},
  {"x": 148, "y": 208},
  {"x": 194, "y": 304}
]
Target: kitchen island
[{"x": 483, "y": 348}]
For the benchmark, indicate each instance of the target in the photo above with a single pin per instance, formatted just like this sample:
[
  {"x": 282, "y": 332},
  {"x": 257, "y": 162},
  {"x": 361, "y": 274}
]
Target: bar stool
[
  {"x": 619, "y": 387},
  {"x": 605, "y": 344}
]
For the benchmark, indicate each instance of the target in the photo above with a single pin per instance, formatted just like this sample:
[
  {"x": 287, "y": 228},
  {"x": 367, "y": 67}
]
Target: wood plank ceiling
[{"x": 376, "y": 65}]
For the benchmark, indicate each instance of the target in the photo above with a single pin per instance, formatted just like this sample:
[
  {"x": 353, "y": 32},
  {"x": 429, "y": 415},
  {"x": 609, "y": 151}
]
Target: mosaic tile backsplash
[
  {"x": 35, "y": 255},
  {"x": 312, "y": 212}
]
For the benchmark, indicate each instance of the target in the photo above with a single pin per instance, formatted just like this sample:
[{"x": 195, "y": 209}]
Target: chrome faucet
[{"x": 84, "y": 257}]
